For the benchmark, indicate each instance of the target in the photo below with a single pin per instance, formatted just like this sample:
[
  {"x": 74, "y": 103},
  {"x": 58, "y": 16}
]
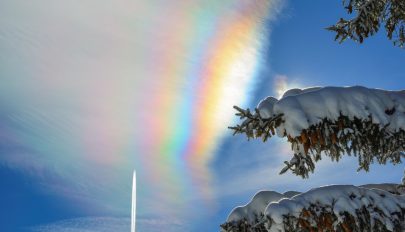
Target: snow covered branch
[
  {"x": 366, "y": 123},
  {"x": 329, "y": 208},
  {"x": 369, "y": 15}
]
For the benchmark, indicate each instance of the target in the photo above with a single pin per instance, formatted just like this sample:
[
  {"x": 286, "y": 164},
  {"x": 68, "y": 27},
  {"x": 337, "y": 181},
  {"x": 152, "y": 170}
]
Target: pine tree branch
[
  {"x": 255, "y": 126},
  {"x": 370, "y": 14},
  {"x": 362, "y": 138}
]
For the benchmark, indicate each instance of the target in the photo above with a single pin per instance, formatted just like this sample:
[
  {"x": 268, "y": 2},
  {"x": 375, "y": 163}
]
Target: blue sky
[{"x": 49, "y": 185}]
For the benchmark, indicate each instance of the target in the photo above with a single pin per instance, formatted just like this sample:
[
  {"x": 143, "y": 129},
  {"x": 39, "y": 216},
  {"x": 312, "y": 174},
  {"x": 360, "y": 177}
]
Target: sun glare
[{"x": 282, "y": 83}]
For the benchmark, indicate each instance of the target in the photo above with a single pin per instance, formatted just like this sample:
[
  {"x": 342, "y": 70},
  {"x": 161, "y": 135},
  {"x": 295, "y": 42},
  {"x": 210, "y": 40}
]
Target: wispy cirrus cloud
[
  {"x": 112, "y": 224},
  {"x": 92, "y": 90}
]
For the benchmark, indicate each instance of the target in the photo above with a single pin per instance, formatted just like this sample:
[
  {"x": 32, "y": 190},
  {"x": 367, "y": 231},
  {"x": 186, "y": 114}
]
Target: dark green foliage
[
  {"x": 368, "y": 141},
  {"x": 370, "y": 15}
]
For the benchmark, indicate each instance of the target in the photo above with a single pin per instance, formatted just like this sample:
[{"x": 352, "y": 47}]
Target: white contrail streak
[{"x": 133, "y": 208}]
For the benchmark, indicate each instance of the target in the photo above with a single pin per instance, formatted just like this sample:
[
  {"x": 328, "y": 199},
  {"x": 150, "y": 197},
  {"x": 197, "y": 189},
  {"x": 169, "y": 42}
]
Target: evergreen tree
[{"x": 370, "y": 15}]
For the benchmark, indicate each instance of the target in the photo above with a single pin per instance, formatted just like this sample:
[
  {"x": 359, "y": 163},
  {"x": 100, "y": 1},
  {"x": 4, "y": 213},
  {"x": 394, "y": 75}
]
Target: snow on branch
[
  {"x": 328, "y": 208},
  {"x": 250, "y": 216},
  {"x": 338, "y": 208},
  {"x": 366, "y": 123}
]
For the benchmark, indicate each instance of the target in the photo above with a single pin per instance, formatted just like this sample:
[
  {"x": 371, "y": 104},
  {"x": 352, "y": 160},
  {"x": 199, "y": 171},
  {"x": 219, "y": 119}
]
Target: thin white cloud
[
  {"x": 112, "y": 224},
  {"x": 87, "y": 68}
]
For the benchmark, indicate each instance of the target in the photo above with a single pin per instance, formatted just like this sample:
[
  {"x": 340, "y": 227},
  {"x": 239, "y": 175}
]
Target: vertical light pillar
[{"x": 133, "y": 206}]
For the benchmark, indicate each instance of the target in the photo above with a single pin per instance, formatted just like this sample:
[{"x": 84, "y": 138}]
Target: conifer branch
[
  {"x": 370, "y": 142},
  {"x": 370, "y": 14},
  {"x": 255, "y": 126}
]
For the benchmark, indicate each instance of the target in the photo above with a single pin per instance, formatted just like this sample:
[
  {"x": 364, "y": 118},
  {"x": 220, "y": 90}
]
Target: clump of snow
[
  {"x": 266, "y": 105},
  {"x": 268, "y": 210},
  {"x": 338, "y": 200},
  {"x": 296, "y": 91},
  {"x": 302, "y": 108},
  {"x": 255, "y": 207}
]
